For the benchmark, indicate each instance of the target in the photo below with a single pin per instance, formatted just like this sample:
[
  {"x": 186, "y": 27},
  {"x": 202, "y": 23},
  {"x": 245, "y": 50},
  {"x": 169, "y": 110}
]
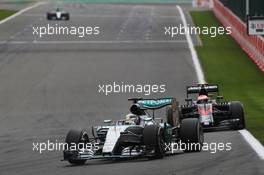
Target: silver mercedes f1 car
[
  {"x": 140, "y": 134},
  {"x": 58, "y": 15}
]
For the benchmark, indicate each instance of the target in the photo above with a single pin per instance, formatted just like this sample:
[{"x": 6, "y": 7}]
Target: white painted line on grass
[
  {"x": 253, "y": 142},
  {"x": 197, "y": 65},
  {"x": 21, "y": 11}
]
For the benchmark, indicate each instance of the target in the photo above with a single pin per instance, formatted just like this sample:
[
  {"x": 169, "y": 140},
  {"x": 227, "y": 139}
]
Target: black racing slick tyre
[
  {"x": 191, "y": 134},
  {"x": 237, "y": 113},
  {"x": 75, "y": 137},
  {"x": 67, "y": 17},
  {"x": 48, "y": 17},
  {"x": 153, "y": 138}
]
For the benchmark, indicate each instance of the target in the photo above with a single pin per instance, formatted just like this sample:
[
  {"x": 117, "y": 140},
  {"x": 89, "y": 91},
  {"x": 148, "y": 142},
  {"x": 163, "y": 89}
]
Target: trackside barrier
[{"x": 252, "y": 45}]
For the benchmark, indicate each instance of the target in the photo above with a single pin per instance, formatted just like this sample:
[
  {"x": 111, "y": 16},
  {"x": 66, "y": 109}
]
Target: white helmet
[{"x": 131, "y": 118}]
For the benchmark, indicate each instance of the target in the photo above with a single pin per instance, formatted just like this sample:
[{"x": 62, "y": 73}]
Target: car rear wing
[
  {"x": 203, "y": 87},
  {"x": 140, "y": 105},
  {"x": 153, "y": 104}
]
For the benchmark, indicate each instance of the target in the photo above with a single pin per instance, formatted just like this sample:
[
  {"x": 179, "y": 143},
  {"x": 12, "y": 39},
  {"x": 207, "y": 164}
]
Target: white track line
[
  {"x": 197, "y": 65},
  {"x": 250, "y": 139},
  {"x": 253, "y": 142},
  {"x": 97, "y": 42},
  {"x": 21, "y": 11}
]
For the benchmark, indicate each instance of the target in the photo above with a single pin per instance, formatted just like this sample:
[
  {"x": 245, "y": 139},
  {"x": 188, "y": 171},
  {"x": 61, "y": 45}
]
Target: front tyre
[
  {"x": 75, "y": 137},
  {"x": 191, "y": 134},
  {"x": 154, "y": 140},
  {"x": 237, "y": 112}
]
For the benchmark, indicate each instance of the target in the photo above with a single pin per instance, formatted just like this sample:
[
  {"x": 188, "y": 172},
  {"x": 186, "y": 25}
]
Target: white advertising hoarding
[{"x": 255, "y": 25}]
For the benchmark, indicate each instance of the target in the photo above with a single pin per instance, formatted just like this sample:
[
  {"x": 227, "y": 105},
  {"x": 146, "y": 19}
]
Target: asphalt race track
[{"x": 50, "y": 85}]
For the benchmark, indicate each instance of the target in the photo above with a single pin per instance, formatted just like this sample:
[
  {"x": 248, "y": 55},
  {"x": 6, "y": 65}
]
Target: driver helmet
[
  {"x": 202, "y": 98},
  {"x": 131, "y": 118}
]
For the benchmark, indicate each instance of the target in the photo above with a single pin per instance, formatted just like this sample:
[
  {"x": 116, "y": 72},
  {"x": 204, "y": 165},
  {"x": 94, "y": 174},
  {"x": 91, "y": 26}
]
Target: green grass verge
[
  {"x": 6, "y": 13},
  {"x": 225, "y": 63}
]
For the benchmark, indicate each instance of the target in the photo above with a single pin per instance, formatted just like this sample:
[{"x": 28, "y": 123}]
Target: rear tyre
[
  {"x": 48, "y": 17},
  {"x": 76, "y": 137},
  {"x": 191, "y": 134},
  {"x": 67, "y": 17},
  {"x": 154, "y": 140},
  {"x": 237, "y": 112}
]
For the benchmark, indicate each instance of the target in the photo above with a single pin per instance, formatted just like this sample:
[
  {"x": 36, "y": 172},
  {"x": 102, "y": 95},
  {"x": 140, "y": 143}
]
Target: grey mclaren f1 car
[
  {"x": 139, "y": 134},
  {"x": 212, "y": 111}
]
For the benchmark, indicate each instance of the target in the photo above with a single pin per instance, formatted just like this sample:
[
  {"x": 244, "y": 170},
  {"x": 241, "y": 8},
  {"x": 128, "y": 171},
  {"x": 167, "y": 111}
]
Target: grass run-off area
[
  {"x": 6, "y": 13},
  {"x": 225, "y": 63}
]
